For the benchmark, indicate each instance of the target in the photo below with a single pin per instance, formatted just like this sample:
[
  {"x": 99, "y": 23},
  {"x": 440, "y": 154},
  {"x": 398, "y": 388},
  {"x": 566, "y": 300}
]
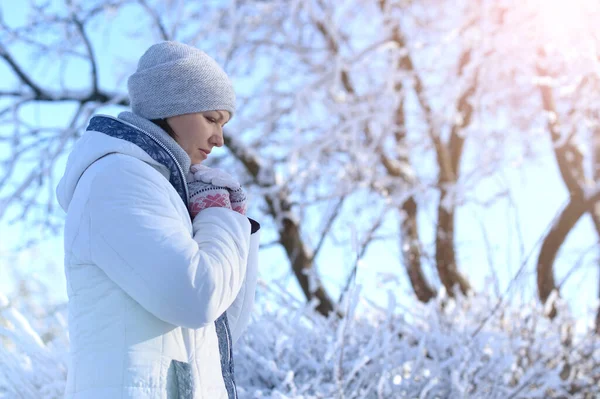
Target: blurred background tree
[{"x": 398, "y": 123}]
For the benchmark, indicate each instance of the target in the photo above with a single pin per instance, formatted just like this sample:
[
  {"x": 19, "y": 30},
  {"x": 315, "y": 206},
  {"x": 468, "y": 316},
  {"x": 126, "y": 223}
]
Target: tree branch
[
  {"x": 360, "y": 253},
  {"x": 568, "y": 157},
  {"x": 42, "y": 95},
  {"x": 327, "y": 228},
  {"x": 161, "y": 28},
  {"x": 570, "y": 162},
  {"x": 288, "y": 229},
  {"x": 561, "y": 227},
  {"x": 20, "y": 73},
  {"x": 445, "y": 253},
  {"x": 90, "y": 52},
  {"x": 409, "y": 229}
]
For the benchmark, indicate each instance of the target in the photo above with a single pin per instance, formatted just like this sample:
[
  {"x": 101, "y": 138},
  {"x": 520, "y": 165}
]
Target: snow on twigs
[
  {"x": 425, "y": 351},
  {"x": 434, "y": 350}
]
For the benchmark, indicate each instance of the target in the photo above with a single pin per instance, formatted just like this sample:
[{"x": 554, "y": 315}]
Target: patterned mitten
[
  {"x": 205, "y": 195},
  {"x": 216, "y": 177},
  {"x": 238, "y": 200},
  {"x": 221, "y": 178}
]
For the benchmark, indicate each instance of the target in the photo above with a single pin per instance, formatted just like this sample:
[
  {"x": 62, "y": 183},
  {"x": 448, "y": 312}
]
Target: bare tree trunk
[
  {"x": 409, "y": 233},
  {"x": 445, "y": 254},
  {"x": 409, "y": 228},
  {"x": 569, "y": 216},
  {"x": 409, "y": 209},
  {"x": 570, "y": 163},
  {"x": 445, "y": 257},
  {"x": 302, "y": 265},
  {"x": 448, "y": 161},
  {"x": 289, "y": 235},
  {"x": 411, "y": 250}
]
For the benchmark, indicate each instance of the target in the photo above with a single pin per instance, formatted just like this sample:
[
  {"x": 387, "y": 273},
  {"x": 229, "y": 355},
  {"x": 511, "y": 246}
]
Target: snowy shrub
[
  {"x": 449, "y": 348},
  {"x": 466, "y": 347},
  {"x": 33, "y": 347}
]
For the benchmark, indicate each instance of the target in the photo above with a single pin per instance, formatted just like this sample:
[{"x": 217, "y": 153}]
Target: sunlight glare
[
  {"x": 564, "y": 19},
  {"x": 566, "y": 26}
]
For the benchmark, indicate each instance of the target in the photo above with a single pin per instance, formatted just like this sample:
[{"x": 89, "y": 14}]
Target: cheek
[
  {"x": 194, "y": 135},
  {"x": 189, "y": 140}
]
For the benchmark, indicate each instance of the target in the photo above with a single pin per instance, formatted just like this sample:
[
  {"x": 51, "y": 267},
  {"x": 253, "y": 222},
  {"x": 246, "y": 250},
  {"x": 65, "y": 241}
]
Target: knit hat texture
[{"x": 174, "y": 79}]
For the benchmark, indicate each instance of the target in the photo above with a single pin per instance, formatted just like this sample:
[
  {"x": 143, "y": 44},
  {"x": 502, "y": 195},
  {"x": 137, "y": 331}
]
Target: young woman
[{"x": 160, "y": 260}]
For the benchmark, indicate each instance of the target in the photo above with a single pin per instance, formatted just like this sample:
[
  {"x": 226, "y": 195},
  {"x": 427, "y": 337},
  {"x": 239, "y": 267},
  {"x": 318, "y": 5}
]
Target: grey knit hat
[{"x": 174, "y": 79}]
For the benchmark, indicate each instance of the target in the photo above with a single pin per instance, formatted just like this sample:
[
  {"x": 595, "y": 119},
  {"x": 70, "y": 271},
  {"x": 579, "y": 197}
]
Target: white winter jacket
[{"x": 156, "y": 301}]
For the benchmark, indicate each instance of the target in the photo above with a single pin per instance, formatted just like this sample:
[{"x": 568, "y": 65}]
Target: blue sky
[{"x": 534, "y": 189}]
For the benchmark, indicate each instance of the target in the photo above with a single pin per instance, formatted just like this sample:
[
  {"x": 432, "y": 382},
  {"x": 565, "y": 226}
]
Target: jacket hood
[{"x": 92, "y": 146}]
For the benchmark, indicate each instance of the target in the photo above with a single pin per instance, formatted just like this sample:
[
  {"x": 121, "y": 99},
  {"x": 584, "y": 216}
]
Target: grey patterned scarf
[{"x": 159, "y": 134}]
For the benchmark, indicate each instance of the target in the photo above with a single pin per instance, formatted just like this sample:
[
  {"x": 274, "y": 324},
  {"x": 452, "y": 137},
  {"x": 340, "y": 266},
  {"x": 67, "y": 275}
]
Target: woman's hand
[
  {"x": 238, "y": 200},
  {"x": 206, "y": 195},
  {"x": 222, "y": 179},
  {"x": 216, "y": 177}
]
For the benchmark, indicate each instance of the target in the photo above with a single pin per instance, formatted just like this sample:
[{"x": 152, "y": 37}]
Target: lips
[{"x": 204, "y": 151}]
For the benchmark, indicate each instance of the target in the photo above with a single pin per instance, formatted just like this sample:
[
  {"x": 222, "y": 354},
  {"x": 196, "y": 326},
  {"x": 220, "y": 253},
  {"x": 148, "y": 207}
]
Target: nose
[{"x": 217, "y": 138}]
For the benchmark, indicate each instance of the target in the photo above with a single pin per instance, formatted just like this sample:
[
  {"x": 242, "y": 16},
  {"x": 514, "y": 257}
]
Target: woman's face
[{"x": 199, "y": 132}]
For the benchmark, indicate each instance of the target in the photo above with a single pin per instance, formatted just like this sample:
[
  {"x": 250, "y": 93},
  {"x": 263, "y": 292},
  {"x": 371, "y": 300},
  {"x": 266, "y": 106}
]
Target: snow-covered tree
[{"x": 352, "y": 113}]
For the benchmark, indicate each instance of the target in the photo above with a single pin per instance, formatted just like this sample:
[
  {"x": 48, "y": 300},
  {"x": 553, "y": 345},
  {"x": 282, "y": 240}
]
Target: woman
[{"x": 160, "y": 261}]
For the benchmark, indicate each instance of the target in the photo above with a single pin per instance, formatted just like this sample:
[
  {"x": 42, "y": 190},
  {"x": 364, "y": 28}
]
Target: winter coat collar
[
  {"x": 149, "y": 141},
  {"x": 158, "y": 133}
]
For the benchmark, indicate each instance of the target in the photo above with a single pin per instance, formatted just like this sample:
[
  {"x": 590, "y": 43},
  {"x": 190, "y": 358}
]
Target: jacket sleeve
[
  {"x": 138, "y": 238},
  {"x": 238, "y": 314}
]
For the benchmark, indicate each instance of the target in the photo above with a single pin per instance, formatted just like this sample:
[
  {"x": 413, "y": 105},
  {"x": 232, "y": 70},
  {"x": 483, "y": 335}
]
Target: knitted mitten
[
  {"x": 238, "y": 200},
  {"x": 206, "y": 195},
  {"x": 220, "y": 178}
]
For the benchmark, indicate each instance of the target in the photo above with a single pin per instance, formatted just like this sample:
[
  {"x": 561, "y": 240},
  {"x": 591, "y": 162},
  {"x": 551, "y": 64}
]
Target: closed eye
[{"x": 216, "y": 120}]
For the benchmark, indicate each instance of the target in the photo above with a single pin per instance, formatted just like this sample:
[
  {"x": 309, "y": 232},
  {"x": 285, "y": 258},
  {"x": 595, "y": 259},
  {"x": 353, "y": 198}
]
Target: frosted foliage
[
  {"x": 33, "y": 350},
  {"x": 450, "y": 348},
  {"x": 417, "y": 352}
]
